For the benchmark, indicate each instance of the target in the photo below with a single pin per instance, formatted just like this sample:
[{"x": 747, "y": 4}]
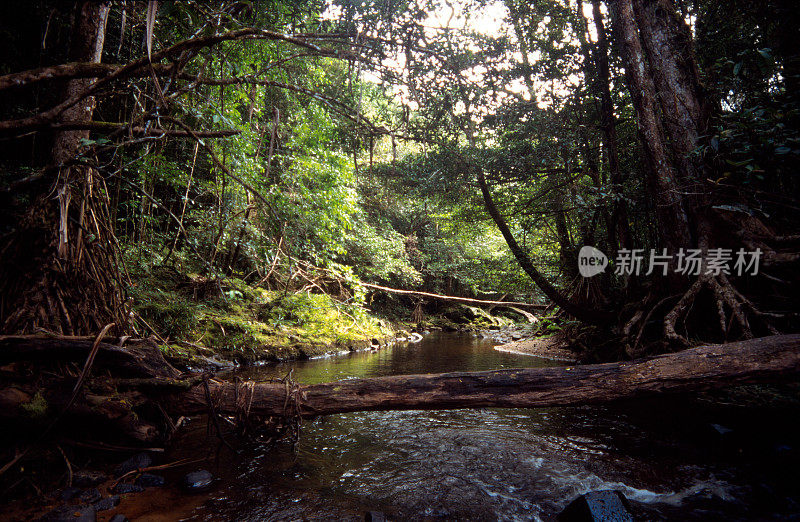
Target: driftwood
[
  {"x": 705, "y": 367},
  {"x": 130, "y": 380}
]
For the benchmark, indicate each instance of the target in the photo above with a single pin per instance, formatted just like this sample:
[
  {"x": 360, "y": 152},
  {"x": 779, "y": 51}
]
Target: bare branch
[{"x": 106, "y": 126}]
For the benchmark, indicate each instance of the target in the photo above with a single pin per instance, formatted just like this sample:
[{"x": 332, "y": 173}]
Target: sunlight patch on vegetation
[{"x": 248, "y": 323}]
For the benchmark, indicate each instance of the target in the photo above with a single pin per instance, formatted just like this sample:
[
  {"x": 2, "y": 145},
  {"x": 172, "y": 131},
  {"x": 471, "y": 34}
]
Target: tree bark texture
[
  {"x": 665, "y": 176},
  {"x": 667, "y": 44},
  {"x": 88, "y": 37}
]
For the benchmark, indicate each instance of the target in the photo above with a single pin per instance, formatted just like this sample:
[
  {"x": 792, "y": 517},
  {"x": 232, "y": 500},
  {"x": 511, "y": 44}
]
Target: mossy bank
[{"x": 202, "y": 320}]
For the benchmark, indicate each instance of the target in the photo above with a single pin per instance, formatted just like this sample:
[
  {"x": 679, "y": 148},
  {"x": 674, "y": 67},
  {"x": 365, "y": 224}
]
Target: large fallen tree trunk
[
  {"x": 132, "y": 380},
  {"x": 756, "y": 360}
]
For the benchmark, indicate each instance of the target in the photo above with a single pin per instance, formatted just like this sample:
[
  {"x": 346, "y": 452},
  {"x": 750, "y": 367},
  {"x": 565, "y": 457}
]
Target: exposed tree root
[
  {"x": 728, "y": 300},
  {"x": 61, "y": 265}
]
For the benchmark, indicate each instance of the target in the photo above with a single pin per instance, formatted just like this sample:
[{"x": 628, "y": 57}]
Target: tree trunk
[
  {"x": 667, "y": 44},
  {"x": 565, "y": 248},
  {"x": 575, "y": 310},
  {"x": 664, "y": 177},
  {"x": 702, "y": 368},
  {"x": 88, "y": 37},
  {"x": 620, "y": 233},
  {"x": 141, "y": 376},
  {"x": 60, "y": 264}
]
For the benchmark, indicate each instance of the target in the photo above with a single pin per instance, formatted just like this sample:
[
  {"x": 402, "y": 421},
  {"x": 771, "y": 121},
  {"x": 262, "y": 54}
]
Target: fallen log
[
  {"x": 131, "y": 382},
  {"x": 764, "y": 359},
  {"x": 535, "y": 306},
  {"x": 126, "y": 356}
]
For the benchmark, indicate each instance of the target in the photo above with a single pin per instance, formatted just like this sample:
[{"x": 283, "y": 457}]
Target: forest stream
[
  {"x": 200, "y": 200},
  {"x": 673, "y": 458}
]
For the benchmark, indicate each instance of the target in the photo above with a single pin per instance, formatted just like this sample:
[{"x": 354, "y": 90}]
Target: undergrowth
[{"x": 196, "y": 317}]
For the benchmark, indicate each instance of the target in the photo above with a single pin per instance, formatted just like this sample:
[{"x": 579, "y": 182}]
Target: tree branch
[
  {"x": 135, "y": 67},
  {"x": 107, "y": 126},
  {"x": 575, "y": 310}
]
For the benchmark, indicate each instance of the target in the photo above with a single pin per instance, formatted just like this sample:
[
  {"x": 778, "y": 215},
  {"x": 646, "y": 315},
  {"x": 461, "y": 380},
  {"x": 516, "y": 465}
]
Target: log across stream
[
  {"x": 141, "y": 368},
  {"x": 701, "y": 368},
  {"x": 471, "y": 462}
]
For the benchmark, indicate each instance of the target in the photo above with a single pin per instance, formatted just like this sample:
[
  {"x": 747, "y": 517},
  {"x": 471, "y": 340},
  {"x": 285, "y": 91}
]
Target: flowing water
[{"x": 678, "y": 458}]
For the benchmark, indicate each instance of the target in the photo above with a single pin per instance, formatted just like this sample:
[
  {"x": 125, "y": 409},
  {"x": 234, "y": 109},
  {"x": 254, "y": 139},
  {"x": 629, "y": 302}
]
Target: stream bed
[{"x": 677, "y": 458}]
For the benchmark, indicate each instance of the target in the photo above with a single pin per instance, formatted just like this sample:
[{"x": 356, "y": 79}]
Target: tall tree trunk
[
  {"x": 566, "y": 249},
  {"x": 590, "y": 165},
  {"x": 672, "y": 112},
  {"x": 664, "y": 178},
  {"x": 620, "y": 234},
  {"x": 60, "y": 265},
  {"x": 667, "y": 43}
]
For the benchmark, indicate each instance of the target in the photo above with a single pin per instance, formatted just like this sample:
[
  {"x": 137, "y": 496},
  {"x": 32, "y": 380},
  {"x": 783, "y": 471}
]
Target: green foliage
[
  {"x": 37, "y": 407},
  {"x": 750, "y": 145},
  {"x": 380, "y": 255},
  {"x": 245, "y": 322},
  {"x": 319, "y": 185}
]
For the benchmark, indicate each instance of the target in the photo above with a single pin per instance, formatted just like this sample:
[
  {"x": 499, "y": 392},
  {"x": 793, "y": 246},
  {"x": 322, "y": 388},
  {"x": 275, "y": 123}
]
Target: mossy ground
[
  {"x": 462, "y": 317},
  {"x": 200, "y": 318}
]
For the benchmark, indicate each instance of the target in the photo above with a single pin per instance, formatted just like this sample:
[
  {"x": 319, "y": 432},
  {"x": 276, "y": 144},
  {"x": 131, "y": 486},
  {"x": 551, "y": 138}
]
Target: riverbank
[
  {"x": 203, "y": 323},
  {"x": 554, "y": 347}
]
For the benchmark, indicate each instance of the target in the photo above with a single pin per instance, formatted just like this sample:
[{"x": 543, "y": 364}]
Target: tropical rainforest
[{"x": 245, "y": 181}]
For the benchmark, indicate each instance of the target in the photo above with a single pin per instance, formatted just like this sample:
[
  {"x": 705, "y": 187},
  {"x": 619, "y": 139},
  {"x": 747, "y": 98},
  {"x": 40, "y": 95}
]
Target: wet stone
[
  {"x": 107, "y": 503},
  {"x": 69, "y": 493},
  {"x": 597, "y": 506},
  {"x": 71, "y": 514},
  {"x": 88, "y": 478},
  {"x": 91, "y": 495},
  {"x": 124, "y": 488},
  {"x": 150, "y": 480},
  {"x": 437, "y": 512},
  {"x": 138, "y": 461},
  {"x": 374, "y": 516},
  {"x": 722, "y": 430},
  {"x": 119, "y": 518},
  {"x": 197, "y": 480}
]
